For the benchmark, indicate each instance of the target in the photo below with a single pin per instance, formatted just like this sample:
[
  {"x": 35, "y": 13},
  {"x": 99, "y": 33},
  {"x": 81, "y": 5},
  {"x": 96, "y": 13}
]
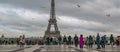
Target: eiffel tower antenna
[{"x": 52, "y": 21}]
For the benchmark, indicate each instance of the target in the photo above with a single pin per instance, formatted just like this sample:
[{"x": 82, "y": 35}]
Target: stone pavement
[
  {"x": 56, "y": 48},
  {"x": 11, "y": 48},
  {"x": 50, "y": 48},
  {"x": 31, "y": 49},
  {"x": 107, "y": 49},
  {"x": 8, "y": 48}
]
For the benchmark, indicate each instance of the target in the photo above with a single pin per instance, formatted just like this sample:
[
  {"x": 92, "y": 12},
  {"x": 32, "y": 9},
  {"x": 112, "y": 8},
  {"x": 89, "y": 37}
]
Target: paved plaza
[{"x": 55, "y": 48}]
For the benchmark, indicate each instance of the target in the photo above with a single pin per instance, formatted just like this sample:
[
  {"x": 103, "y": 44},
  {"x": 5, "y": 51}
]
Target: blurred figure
[
  {"x": 55, "y": 41},
  {"x": 64, "y": 40},
  {"x": 112, "y": 40},
  {"x": 81, "y": 41},
  {"x": 98, "y": 41},
  {"x": 87, "y": 41},
  {"x": 48, "y": 41},
  {"x": 69, "y": 40},
  {"x": 27, "y": 42},
  {"x": 0, "y": 41},
  {"x": 59, "y": 40},
  {"x": 94, "y": 40},
  {"x": 23, "y": 40},
  {"x": 76, "y": 40},
  {"x": 20, "y": 41},
  {"x": 90, "y": 41},
  {"x": 51, "y": 40},
  {"x": 103, "y": 41},
  {"x": 117, "y": 40}
]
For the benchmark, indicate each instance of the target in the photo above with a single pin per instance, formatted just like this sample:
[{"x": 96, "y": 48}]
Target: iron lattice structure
[{"x": 52, "y": 21}]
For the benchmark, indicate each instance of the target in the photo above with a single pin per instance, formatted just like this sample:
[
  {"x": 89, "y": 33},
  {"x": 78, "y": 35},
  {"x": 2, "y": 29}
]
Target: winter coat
[
  {"x": 90, "y": 40},
  {"x": 76, "y": 40},
  {"x": 81, "y": 41},
  {"x": 98, "y": 39}
]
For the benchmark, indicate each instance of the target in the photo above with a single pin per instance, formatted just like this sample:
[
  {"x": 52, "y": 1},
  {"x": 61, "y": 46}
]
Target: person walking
[
  {"x": 98, "y": 41},
  {"x": 90, "y": 41},
  {"x": 81, "y": 41},
  {"x": 112, "y": 40},
  {"x": 76, "y": 40}
]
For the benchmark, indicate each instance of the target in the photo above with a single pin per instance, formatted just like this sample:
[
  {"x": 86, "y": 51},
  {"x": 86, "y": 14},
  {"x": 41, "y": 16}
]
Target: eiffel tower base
[{"x": 52, "y": 34}]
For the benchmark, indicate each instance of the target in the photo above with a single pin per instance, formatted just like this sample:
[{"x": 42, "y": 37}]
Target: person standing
[
  {"x": 103, "y": 41},
  {"x": 59, "y": 40},
  {"x": 55, "y": 40},
  {"x": 23, "y": 40},
  {"x": 51, "y": 40},
  {"x": 69, "y": 40},
  {"x": 17, "y": 41},
  {"x": 117, "y": 40},
  {"x": 76, "y": 40},
  {"x": 0, "y": 41},
  {"x": 112, "y": 40},
  {"x": 87, "y": 41},
  {"x": 64, "y": 40},
  {"x": 81, "y": 41},
  {"x": 20, "y": 41},
  {"x": 48, "y": 41},
  {"x": 98, "y": 41},
  {"x": 90, "y": 41},
  {"x": 94, "y": 40}
]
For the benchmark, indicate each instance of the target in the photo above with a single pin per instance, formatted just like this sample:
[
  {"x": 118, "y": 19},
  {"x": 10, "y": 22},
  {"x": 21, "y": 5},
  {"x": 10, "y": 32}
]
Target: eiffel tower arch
[{"x": 52, "y": 21}]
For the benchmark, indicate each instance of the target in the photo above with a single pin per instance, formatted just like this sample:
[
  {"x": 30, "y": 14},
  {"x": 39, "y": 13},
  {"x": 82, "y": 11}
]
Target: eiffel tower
[{"x": 52, "y": 21}]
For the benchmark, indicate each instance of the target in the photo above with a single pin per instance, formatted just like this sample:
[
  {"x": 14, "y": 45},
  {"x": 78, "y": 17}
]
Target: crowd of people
[
  {"x": 89, "y": 41},
  {"x": 77, "y": 41},
  {"x": 21, "y": 41}
]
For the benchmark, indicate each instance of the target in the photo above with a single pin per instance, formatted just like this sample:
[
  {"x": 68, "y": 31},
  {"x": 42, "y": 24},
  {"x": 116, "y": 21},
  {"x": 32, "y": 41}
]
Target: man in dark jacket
[
  {"x": 69, "y": 40},
  {"x": 51, "y": 40},
  {"x": 98, "y": 41},
  {"x": 103, "y": 41},
  {"x": 76, "y": 40},
  {"x": 90, "y": 41},
  {"x": 59, "y": 40},
  {"x": 65, "y": 40},
  {"x": 111, "y": 40},
  {"x": 48, "y": 41}
]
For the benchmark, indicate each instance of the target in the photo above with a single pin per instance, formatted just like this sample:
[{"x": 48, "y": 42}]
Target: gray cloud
[{"x": 32, "y": 15}]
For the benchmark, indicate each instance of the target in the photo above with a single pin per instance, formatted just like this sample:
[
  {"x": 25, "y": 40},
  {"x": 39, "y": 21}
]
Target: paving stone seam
[{"x": 20, "y": 49}]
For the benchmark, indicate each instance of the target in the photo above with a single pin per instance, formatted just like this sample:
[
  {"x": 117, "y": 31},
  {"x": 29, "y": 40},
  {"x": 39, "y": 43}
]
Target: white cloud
[{"x": 79, "y": 22}]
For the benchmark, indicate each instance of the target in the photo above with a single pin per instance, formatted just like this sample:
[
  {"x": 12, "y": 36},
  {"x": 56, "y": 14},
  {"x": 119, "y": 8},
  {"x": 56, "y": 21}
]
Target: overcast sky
[{"x": 30, "y": 17}]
